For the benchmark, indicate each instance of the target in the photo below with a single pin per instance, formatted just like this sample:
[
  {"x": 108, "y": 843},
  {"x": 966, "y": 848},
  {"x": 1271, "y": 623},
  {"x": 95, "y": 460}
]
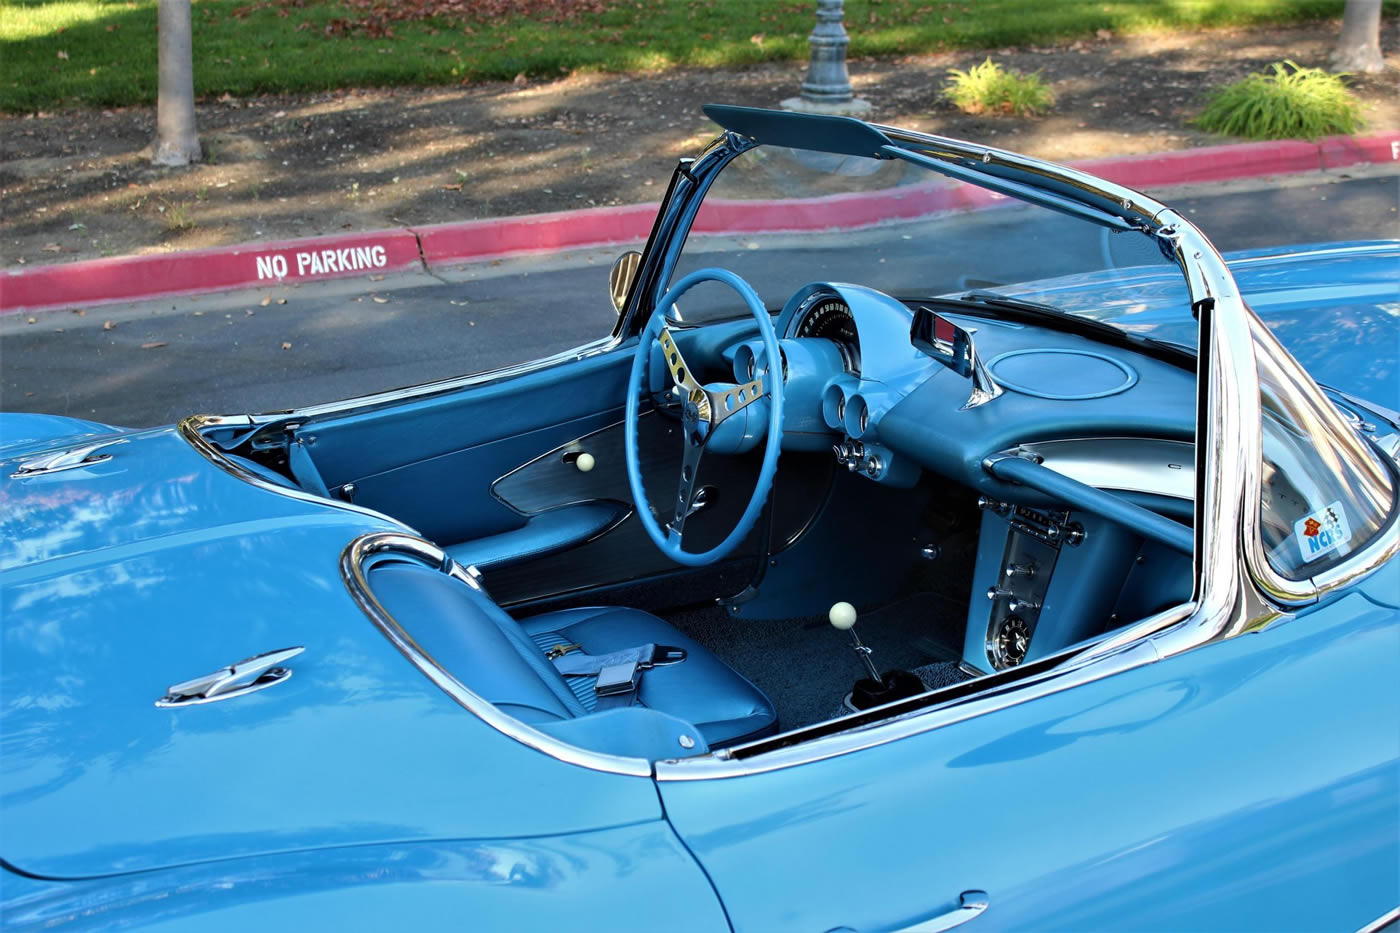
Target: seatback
[{"x": 473, "y": 639}]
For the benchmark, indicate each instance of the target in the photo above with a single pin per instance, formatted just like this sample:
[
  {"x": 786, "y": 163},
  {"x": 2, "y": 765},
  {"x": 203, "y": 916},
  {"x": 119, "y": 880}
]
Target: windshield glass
[{"x": 782, "y": 217}]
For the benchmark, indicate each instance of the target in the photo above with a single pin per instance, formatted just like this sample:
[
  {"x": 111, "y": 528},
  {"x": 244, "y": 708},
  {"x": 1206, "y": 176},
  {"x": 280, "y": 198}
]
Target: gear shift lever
[
  {"x": 843, "y": 616},
  {"x": 874, "y": 690}
]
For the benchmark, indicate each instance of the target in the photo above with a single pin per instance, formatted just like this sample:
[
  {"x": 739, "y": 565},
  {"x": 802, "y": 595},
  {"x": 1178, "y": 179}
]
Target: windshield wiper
[{"x": 1025, "y": 311}]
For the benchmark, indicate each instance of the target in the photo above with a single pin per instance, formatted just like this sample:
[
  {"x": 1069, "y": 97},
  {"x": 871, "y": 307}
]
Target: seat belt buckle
[
  {"x": 558, "y": 651},
  {"x": 617, "y": 679},
  {"x": 663, "y": 655}
]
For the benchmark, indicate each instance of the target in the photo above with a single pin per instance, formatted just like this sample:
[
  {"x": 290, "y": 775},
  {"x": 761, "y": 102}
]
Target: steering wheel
[{"x": 705, "y": 409}]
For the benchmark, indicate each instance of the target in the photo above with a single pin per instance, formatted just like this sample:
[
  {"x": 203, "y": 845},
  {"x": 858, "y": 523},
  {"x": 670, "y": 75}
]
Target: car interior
[
  {"x": 956, "y": 535},
  {"x": 791, "y": 498}
]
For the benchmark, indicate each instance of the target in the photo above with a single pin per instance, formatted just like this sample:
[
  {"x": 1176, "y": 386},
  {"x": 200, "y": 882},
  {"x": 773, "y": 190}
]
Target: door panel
[{"x": 1251, "y": 784}]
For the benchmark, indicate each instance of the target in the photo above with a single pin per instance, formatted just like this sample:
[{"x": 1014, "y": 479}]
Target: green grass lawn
[{"x": 103, "y": 52}]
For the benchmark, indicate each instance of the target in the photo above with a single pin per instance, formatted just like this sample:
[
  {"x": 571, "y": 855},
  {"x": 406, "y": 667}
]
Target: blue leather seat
[{"x": 503, "y": 661}]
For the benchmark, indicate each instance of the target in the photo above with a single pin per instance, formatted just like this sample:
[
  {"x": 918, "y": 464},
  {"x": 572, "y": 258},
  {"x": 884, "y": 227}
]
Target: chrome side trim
[
  {"x": 190, "y": 429},
  {"x": 722, "y": 764},
  {"x": 356, "y": 559},
  {"x": 443, "y": 386},
  {"x": 1381, "y": 922},
  {"x": 1160, "y": 467}
]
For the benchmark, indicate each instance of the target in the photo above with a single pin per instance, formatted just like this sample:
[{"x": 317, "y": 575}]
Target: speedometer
[{"x": 831, "y": 319}]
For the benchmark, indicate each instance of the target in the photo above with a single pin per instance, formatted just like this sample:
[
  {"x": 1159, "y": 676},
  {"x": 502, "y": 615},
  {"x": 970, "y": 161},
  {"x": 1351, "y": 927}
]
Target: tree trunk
[
  {"x": 176, "y": 141},
  {"x": 1359, "y": 46}
]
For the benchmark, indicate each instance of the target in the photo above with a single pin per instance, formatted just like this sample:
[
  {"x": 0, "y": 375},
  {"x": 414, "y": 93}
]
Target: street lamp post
[{"x": 828, "y": 85}]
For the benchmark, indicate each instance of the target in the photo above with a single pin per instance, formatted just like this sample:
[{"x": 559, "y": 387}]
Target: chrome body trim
[
  {"x": 355, "y": 561},
  {"x": 238, "y": 679},
  {"x": 191, "y": 428},
  {"x": 970, "y": 907},
  {"x": 1159, "y": 467},
  {"x": 1381, "y": 922},
  {"x": 70, "y": 458}
]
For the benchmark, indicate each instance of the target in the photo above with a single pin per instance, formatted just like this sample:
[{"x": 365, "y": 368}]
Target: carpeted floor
[{"x": 806, "y": 667}]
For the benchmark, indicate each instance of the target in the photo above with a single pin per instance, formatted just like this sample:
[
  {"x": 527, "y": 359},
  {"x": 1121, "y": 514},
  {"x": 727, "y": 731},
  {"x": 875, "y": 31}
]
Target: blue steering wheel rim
[{"x": 670, "y": 544}]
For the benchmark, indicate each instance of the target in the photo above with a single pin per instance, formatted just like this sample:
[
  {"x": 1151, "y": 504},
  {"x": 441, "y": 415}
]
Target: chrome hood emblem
[{"x": 255, "y": 673}]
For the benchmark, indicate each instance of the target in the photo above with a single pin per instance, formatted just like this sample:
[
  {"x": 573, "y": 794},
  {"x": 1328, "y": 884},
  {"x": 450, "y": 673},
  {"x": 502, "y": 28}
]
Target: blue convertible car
[{"x": 941, "y": 537}]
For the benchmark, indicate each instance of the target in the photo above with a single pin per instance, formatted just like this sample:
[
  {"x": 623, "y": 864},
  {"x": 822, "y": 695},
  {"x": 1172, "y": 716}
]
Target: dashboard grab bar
[{"x": 1144, "y": 522}]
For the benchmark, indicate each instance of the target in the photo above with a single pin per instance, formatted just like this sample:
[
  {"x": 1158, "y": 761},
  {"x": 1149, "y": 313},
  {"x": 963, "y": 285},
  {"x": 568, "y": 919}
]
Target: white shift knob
[
  {"x": 842, "y": 615},
  {"x": 584, "y": 462}
]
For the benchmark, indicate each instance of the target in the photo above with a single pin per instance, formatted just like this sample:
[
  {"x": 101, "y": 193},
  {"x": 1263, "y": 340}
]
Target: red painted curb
[
  {"x": 535, "y": 233},
  {"x": 249, "y": 265},
  {"x": 126, "y": 278}
]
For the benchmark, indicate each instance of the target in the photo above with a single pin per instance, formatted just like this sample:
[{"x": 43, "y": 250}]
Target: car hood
[
  {"x": 122, "y": 577},
  {"x": 1336, "y": 307}
]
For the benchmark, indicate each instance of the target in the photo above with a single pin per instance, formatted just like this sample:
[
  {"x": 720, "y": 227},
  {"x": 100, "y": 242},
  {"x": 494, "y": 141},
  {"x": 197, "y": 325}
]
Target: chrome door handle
[{"x": 970, "y": 906}]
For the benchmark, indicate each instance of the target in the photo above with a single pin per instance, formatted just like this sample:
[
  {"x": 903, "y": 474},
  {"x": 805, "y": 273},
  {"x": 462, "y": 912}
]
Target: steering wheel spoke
[
  {"x": 684, "y": 505},
  {"x": 680, "y": 372},
  {"x": 733, "y": 400}
]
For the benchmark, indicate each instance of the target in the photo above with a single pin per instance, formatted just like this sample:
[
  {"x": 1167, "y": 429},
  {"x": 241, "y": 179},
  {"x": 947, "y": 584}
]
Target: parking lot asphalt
[{"x": 153, "y": 362}]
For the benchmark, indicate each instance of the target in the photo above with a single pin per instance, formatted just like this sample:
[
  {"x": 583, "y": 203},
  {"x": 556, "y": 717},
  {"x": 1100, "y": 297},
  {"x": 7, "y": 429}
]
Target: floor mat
[{"x": 806, "y": 667}]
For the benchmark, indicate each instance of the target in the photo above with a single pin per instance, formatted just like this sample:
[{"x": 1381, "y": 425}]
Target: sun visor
[{"x": 815, "y": 131}]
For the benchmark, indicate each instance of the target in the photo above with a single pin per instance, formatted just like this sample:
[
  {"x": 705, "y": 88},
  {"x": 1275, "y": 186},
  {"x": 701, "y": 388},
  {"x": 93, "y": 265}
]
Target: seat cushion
[{"x": 724, "y": 706}]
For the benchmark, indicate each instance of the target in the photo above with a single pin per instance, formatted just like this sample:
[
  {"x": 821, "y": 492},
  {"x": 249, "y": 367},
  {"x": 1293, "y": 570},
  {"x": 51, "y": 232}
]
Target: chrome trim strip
[
  {"x": 189, "y": 428},
  {"x": 364, "y": 550},
  {"x": 1160, "y": 467},
  {"x": 1381, "y": 922},
  {"x": 722, "y": 765}
]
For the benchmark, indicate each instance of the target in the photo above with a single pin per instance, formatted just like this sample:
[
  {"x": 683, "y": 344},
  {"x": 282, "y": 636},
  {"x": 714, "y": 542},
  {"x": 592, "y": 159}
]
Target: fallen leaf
[
  {"x": 51, "y": 248},
  {"x": 266, "y": 301},
  {"x": 108, "y": 325},
  {"x": 79, "y": 312},
  {"x": 376, "y": 278},
  {"x": 286, "y": 345},
  {"x": 452, "y": 187},
  {"x": 1104, "y": 34},
  {"x": 153, "y": 344}
]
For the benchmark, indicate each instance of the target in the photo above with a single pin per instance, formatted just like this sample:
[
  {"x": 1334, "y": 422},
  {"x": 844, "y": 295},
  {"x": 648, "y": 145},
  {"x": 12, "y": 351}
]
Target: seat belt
[{"x": 618, "y": 674}]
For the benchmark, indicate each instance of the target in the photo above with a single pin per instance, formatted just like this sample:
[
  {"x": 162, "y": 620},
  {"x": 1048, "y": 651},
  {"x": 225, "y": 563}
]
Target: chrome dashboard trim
[
  {"x": 1159, "y": 467},
  {"x": 355, "y": 561}
]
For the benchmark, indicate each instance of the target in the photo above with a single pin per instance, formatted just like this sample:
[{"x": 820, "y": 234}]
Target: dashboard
[{"x": 1095, "y": 412}]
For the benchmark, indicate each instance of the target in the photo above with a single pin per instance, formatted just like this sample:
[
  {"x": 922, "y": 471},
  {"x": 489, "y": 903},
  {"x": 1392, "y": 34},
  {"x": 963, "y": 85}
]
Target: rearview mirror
[
  {"x": 945, "y": 342},
  {"x": 624, "y": 270}
]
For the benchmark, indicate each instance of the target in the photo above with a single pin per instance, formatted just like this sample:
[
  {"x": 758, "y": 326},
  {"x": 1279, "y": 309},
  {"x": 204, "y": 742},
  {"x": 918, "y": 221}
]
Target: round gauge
[
  {"x": 1013, "y": 640},
  {"x": 831, "y": 318}
]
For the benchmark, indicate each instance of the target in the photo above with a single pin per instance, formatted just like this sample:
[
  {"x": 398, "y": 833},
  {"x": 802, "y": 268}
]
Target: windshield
[{"x": 783, "y": 217}]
